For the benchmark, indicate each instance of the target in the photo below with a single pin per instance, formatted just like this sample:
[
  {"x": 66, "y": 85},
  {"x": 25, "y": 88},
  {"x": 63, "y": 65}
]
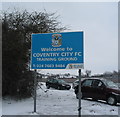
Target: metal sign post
[
  {"x": 35, "y": 84},
  {"x": 79, "y": 90}
]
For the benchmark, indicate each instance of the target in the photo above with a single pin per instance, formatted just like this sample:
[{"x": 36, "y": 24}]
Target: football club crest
[{"x": 56, "y": 40}]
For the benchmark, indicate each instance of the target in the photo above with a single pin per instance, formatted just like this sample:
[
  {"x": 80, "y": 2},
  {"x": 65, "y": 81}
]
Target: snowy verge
[{"x": 56, "y": 102}]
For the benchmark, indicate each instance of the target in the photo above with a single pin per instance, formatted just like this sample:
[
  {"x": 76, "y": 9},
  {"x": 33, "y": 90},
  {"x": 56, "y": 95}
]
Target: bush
[{"x": 17, "y": 27}]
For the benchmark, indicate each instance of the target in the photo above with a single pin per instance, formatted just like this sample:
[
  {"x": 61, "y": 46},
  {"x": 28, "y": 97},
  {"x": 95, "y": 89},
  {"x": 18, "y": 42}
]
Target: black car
[
  {"x": 99, "y": 89},
  {"x": 57, "y": 84}
]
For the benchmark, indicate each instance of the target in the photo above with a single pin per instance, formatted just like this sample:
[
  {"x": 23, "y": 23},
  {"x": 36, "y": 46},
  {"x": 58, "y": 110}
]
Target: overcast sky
[{"x": 99, "y": 21}]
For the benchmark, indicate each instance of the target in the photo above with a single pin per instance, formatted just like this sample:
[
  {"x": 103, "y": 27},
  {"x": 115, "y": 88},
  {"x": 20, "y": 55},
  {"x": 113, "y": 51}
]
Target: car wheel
[
  {"x": 48, "y": 86},
  {"x": 111, "y": 100}
]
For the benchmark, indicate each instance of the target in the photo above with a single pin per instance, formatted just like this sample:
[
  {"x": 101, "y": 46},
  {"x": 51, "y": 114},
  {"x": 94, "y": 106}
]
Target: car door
[
  {"x": 98, "y": 89},
  {"x": 86, "y": 88}
]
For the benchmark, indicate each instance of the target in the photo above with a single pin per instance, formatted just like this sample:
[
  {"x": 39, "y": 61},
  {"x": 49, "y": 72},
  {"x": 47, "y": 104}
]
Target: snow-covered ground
[{"x": 56, "y": 102}]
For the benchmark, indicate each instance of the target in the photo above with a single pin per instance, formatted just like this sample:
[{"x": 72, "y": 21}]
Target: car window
[
  {"x": 97, "y": 83},
  {"x": 55, "y": 81},
  {"x": 100, "y": 84},
  {"x": 87, "y": 83}
]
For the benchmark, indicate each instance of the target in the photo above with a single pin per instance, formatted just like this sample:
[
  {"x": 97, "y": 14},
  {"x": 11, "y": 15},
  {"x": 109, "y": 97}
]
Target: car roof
[
  {"x": 96, "y": 78},
  {"x": 90, "y": 79}
]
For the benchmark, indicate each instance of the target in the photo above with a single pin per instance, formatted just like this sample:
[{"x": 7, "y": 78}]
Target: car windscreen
[{"x": 111, "y": 84}]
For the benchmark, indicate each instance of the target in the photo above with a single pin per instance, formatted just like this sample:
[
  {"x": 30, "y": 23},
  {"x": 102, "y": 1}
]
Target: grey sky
[{"x": 99, "y": 21}]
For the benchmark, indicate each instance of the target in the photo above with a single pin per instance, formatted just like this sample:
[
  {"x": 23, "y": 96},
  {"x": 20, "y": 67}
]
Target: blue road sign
[{"x": 57, "y": 51}]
